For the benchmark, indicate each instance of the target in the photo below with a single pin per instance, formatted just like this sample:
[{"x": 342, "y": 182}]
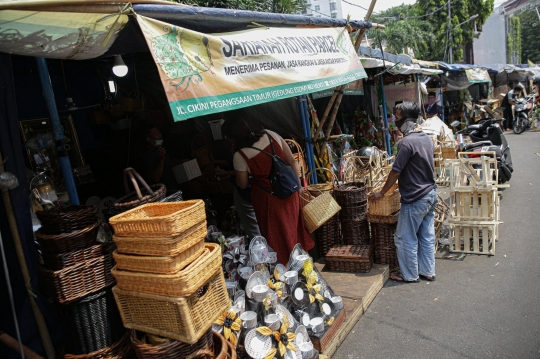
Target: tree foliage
[
  {"x": 514, "y": 40},
  {"x": 424, "y": 27},
  {"x": 530, "y": 41},
  {"x": 278, "y": 6}
]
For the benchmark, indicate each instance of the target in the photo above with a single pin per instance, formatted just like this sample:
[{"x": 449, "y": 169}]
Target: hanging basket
[
  {"x": 320, "y": 188},
  {"x": 299, "y": 158},
  {"x": 318, "y": 210},
  {"x": 148, "y": 194}
]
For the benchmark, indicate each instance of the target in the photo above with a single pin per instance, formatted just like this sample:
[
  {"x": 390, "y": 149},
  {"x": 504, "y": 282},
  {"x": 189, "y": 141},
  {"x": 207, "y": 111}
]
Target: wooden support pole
[
  {"x": 40, "y": 320},
  {"x": 13, "y": 344}
]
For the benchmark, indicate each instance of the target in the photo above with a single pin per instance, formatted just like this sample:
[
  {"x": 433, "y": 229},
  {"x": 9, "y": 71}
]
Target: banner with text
[{"x": 204, "y": 74}]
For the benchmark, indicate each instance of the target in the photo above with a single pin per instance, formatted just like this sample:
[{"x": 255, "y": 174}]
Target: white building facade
[{"x": 324, "y": 8}]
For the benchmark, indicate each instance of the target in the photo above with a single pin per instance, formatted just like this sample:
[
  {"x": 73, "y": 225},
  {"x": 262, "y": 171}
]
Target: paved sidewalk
[{"x": 480, "y": 306}]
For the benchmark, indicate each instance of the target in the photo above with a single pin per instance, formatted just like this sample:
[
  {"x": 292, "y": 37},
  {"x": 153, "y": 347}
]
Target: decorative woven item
[
  {"x": 148, "y": 194},
  {"x": 179, "y": 318},
  {"x": 391, "y": 219},
  {"x": 91, "y": 323},
  {"x": 67, "y": 219},
  {"x": 320, "y": 188},
  {"x": 170, "y": 246},
  {"x": 387, "y": 205},
  {"x": 349, "y": 258},
  {"x": 355, "y": 232},
  {"x": 328, "y": 235},
  {"x": 383, "y": 240},
  {"x": 353, "y": 213},
  {"x": 158, "y": 265},
  {"x": 298, "y": 157},
  {"x": 165, "y": 219},
  {"x": 223, "y": 349},
  {"x": 351, "y": 194},
  {"x": 122, "y": 349},
  {"x": 148, "y": 346},
  {"x": 68, "y": 242},
  {"x": 201, "y": 150},
  {"x": 182, "y": 283},
  {"x": 319, "y": 210},
  {"x": 58, "y": 261},
  {"x": 72, "y": 283}
]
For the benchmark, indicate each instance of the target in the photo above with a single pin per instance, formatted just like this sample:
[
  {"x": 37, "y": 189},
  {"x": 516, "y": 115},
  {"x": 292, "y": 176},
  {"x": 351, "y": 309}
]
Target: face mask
[
  {"x": 158, "y": 142},
  {"x": 399, "y": 123}
]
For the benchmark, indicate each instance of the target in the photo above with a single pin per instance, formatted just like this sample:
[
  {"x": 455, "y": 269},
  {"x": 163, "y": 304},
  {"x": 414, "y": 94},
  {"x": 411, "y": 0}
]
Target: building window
[
  {"x": 317, "y": 8},
  {"x": 332, "y": 6},
  {"x": 334, "y": 15}
]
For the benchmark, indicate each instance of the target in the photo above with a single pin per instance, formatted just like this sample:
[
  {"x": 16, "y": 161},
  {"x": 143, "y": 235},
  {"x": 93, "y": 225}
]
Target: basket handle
[
  {"x": 132, "y": 174},
  {"x": 299, "y": 149},
  {"x": 193, "y": 143},
  {"x": 334, "y": 178}
]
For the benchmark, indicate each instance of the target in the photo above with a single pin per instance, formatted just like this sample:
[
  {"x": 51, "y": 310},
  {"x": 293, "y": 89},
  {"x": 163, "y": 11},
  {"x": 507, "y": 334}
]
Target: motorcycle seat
[
  {"x": 470, "y": 146},
  {"x": 474, "y": 127}
]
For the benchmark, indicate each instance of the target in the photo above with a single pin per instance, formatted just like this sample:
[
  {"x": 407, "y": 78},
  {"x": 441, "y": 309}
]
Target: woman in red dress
[{"x": 280, "y": 220}]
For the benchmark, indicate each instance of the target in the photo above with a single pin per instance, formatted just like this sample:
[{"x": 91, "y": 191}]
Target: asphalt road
[{"x": 480, "y": 306}]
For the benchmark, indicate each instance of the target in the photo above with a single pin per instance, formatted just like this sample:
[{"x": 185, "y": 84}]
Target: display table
[{"x": 358, "y": 291}]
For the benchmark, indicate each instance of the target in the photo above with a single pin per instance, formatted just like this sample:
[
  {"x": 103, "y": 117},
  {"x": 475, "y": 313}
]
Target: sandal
[
  {"x": 430, "y": 278},
  {"x": 394, "y": 277}
]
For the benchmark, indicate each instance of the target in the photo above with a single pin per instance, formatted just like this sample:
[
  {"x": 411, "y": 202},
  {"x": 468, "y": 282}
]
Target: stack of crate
[
  {"x": 474, "y": 203},
  {"x": 169, "y": 282}
]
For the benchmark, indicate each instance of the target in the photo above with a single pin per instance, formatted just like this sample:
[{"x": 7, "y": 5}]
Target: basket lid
[{"x": 358, "y": 252}]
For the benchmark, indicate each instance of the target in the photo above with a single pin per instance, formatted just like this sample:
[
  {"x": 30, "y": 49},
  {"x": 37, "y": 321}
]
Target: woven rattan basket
[
  {"x": 179, "y": 318},
  {"x": 353, "y": 213},
  {"x": 328, "y": 235},
  {"x": 68, "y": 242},
  {"x": 391, "y": 219},
  {"x": 387, "y": 205},
  {"x": 348, "y": 258},
  {"x": 148, "y": 194},
  {"x": 122, "y": 349},
  {"x": 298, "y": 157},
  {"x": 351, "y": 194},
  {"x": 318, "y": 209},
  {"x": 72, "y": 283},
  {"x": 223, "y": 349},
  {"x": 168, "y": 219},
  {"x": 168, "y": 349},
  {"x": 356, "y": 232},
  {"x": 158, "y": 265},
  {"x": 67, "y": 219},
  {"x": 162, "y": 246},
  {"x": 58, "y": 261},
  {"x": 383, "y": 240},
  {"x": 183, "y": 283},
  {"x": 320, "y": 188}
]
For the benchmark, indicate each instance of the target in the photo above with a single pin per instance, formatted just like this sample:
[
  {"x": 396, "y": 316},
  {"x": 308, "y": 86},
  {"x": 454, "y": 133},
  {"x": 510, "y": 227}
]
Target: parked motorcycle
[
  {"x": 488, "y": 136},
  {"x": 522, "y": 112}
]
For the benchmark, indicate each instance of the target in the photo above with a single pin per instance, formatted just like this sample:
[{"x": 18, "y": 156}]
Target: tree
[
  {"x": 514, "y": 40},
  {"x": 530, "y": 41},
  {"x": 455, "y": 36}
]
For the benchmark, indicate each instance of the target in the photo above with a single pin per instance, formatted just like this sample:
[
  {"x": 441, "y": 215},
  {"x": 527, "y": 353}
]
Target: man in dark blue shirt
[{"x": 413, "y": 166}]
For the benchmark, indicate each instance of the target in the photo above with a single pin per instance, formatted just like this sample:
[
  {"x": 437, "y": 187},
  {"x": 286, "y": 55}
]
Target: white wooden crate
[
  {"x": 474, "y": 237},
  {"x": 475, "y": 205}
]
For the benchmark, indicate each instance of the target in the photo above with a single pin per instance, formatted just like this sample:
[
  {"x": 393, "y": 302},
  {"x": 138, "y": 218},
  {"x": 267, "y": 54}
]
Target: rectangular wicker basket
[
  {"x": 170, "y": 246},
  {"x": 183, "y": 283},
  {"x": 167, "y": 219},
  {"x": 356, "y": 259},
  {"x": 179, "y": 318},
  {"x": 318, "y": 210},
  {"x": 158, "y": 265},
  {"x": 387, "y": 205}
]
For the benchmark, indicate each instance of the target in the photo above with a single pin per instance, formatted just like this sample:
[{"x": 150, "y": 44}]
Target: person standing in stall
[
  {"x": 280, "y": 220},
  {"x": 157, "y": 164}
]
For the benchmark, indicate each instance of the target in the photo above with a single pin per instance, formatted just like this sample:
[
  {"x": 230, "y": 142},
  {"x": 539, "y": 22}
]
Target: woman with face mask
[{"x": 156, "y": 162}]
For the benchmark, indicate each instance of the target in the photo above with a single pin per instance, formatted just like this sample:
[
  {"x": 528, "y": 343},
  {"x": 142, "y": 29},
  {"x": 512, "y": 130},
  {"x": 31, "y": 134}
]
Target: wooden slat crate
[
  {"x": 481, "y": 205},
  {"x": 474, "y": 237}
]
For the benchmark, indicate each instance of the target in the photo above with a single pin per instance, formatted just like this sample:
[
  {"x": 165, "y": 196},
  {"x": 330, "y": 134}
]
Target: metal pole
[
  {"x": 386, "y": 133},
  {"x": 450, "y": 55},
  {"x": 63, "y": 157},
  {"x": 10, "y": 294},
  {"x": 442, "y": 99}
]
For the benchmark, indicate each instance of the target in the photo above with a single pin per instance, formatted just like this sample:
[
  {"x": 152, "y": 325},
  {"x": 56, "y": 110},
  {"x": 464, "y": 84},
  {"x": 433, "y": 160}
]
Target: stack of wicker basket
[
  {"x": 169, "y": 281},
  {"x": 76, "y": 274},
  {"x": 383, "y": 216},
  {"x": 352, "y": 198}
]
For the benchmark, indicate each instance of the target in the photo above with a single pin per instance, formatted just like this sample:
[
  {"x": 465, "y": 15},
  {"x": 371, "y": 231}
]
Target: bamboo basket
[
  {"x": 119, "y": 350},
  {"x": 63, "y": 260},
  {"x": 320, "y": 188},
  {"x": 349, "y": 258},
  {"x": 171, "y": 246},
  {"x": 179, "y": 318},
  {"x": 391, "y": 219},
  {"x": 67, "y": 219},
  {"x": 387, "y": 205},
  {"x": 182, "y": 283},
  {"x": 164, "y": 219},
  {"x": 318, "y": 210},
  {"x": 164, "y": 348},
  {"x": 223, "y": 349},
  {"x": 148, "y": 194},
  {"x": 351, "y": 194},
  {"x": 299, "y": 157},
  {"x": 68, "y": 242},
  {"x": 158, "y": 265}
]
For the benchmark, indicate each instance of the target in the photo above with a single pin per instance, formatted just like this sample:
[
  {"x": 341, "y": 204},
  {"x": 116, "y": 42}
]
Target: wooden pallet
[{"x": 474, "y": 237}]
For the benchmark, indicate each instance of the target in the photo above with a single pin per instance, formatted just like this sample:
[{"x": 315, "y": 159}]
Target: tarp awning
[{"x": 398, "y": 69}]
